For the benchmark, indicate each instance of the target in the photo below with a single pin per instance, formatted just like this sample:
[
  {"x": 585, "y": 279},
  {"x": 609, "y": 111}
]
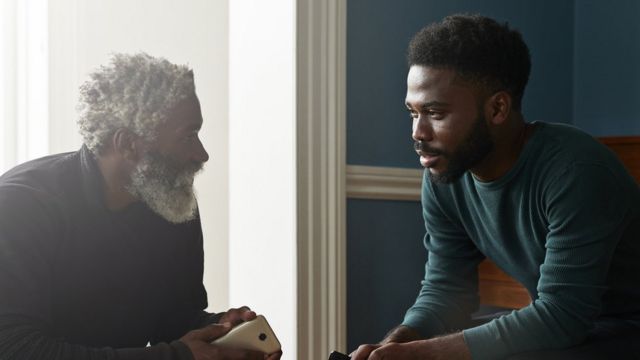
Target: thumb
[{"x": 213, "y": 331}]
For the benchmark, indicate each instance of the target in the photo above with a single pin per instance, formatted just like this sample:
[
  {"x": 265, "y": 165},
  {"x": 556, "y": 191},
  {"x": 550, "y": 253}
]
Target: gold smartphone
[{"x": 255, "y": 334}]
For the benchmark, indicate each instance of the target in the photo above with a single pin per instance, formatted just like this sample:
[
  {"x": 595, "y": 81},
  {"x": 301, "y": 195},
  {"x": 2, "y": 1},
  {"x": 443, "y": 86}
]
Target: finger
[
  {"x": 249, "y": 315},
  {"x": 246, "y": 313},
  {"x": 231, "y": 353},
  {"x": 212, "y": 332},
  {"x": 241, "y": 314},
  {"x": 380, "y": 353},
  {"x": 236, "y": 315},
  {"x": 375, "y": 355},
  {"x": 363, "y": 351},
  {"x": 274, "y": 356},
  {"x": 240, "y": 310}
]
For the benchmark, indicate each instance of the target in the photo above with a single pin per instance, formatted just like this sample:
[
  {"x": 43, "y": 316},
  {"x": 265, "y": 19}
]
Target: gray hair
[{"x": 135, "y": 92}]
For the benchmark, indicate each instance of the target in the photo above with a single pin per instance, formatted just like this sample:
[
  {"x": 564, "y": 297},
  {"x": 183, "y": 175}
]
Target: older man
[{"x": 101, "y": 249}]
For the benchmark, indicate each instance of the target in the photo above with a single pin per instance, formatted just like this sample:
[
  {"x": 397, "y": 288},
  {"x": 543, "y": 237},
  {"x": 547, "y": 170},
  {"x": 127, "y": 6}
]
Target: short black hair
[{"x": 478, "y": 49}]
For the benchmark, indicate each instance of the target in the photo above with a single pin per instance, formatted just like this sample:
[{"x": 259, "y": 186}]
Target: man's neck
[
  {"x": 508, "y": 145},
  {"x": 116, "y": 196}
]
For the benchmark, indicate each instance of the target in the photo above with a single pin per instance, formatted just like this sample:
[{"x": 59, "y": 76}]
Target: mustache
[
  {"x": 193, "y": 168},
  {"x": 177, "y": 168},
  {"x": 421, "y": 147},
  {"x": 159, "y": 166}
]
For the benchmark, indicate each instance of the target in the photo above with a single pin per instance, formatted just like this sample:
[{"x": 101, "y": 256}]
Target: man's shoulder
[
  {"x": 570, "y": 144},
  {"x": 567, "y": 150},
  {"x": 42, "y": 175}
]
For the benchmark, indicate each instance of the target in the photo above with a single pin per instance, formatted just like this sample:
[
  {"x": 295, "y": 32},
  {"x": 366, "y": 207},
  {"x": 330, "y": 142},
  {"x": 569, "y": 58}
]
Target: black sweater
[{"x": 78, "y": 281}]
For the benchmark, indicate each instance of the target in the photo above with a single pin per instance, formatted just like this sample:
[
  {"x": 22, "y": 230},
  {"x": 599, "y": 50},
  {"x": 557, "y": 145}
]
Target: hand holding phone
[{"x": 255, "y": 334}]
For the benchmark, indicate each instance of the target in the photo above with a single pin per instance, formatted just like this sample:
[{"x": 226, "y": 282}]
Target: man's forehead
[
  {"x": 427, "y": 77},
  {"x": 185, "y": 114},
  {"x": 433, "y": 84},
  {"x": 190, "y": 105}
]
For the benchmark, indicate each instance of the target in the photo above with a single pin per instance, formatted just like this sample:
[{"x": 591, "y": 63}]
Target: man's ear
[
  {"x": 498, "y": 107},
  {"x": 126, "y": 144}
]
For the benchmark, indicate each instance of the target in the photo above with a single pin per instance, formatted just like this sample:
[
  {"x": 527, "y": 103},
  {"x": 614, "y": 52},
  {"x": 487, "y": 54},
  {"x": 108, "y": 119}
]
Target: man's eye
[
  {"x": 436, "y": 115},
  {"x": 191, "y": 136},
  {"x": 413, "y": 114}
]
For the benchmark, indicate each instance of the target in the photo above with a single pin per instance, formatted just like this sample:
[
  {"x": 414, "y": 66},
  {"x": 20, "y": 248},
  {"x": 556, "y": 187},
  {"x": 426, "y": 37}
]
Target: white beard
[{"x": 165, "y": 187}]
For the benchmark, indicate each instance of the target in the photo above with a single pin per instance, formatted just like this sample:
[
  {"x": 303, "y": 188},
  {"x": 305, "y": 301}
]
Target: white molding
[
  {"x": 383, "y": 183},
  {"x": 321, "y": 143}
]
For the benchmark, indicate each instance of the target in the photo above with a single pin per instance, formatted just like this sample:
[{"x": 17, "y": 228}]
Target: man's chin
[
  {"x": 443, "y": 177},
  {"x": 175, "y": 212},
  {"x": 436, "y": 171},
  {"x": 174, "y": 204}
]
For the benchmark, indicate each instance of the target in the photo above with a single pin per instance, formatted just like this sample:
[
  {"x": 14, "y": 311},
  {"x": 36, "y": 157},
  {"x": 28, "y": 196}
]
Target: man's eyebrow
[{"x": 428, "y": 104}]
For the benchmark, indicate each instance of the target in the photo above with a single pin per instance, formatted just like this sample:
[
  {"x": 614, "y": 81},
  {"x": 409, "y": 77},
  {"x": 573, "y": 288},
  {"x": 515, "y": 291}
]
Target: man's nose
[
  {"x": 422, "y": 129},
  {"x": 200, "y": 153}
]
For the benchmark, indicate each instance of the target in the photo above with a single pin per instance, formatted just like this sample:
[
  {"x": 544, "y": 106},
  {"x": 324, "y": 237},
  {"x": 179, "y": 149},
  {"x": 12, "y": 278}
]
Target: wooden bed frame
[{"x": 498, "y": 288}]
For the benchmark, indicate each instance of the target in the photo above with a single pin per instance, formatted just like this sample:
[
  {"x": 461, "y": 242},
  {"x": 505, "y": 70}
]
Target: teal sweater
[{"x": 564, "y": 221}]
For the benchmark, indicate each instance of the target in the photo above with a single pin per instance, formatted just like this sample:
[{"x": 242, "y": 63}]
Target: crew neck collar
[{"x": 527, "y": 150}]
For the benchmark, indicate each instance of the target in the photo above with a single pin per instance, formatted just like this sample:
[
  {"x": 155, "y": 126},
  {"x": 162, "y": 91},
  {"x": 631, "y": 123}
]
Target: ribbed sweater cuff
[{"x": 485, "y": 343}]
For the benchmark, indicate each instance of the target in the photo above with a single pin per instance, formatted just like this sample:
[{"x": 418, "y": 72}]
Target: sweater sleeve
[
  {"x": 28, "y": 223},
  {"x": 24, "y": 338},
  {"x": 587, "y": 213},
  {"x": 449, "y": 292}
]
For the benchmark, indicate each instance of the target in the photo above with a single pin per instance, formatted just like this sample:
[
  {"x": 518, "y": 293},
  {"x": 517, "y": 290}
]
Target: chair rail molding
[
  {"x": 384, "y": 183},
  {"x": 321, "y": 197}
]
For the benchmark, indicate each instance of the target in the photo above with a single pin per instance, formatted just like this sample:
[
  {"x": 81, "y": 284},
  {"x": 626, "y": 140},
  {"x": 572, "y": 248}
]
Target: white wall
[
  {"x": 262, "y": 124},
  {"x": 84, "y": 33},
  {"x": 24, "y": 95}
]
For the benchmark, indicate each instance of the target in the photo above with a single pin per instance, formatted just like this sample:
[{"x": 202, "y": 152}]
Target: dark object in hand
[{"x": 338, "y": 356}]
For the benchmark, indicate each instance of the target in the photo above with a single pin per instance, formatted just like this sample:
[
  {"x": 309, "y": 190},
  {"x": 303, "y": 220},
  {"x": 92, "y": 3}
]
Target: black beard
[{"x": 469, "y": 153}]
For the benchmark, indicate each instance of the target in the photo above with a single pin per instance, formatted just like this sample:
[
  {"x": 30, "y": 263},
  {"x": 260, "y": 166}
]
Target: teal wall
[
  {"x": 385, "y": 265},
  {"x": 607, "y": 67},
  {"x": 586, "y": 61}
]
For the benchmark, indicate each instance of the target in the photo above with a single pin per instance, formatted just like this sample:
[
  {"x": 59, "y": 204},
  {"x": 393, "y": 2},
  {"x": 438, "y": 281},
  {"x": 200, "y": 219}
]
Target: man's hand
[
  {"x": 450, "y": 347},
  {"x": 237, "y": 316},
  {"x": 198, "y": 341},
  {"x": 363, "y": 351},
  {"x": 396, "y": 351},
  {"x": 399, "y": 334}
]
